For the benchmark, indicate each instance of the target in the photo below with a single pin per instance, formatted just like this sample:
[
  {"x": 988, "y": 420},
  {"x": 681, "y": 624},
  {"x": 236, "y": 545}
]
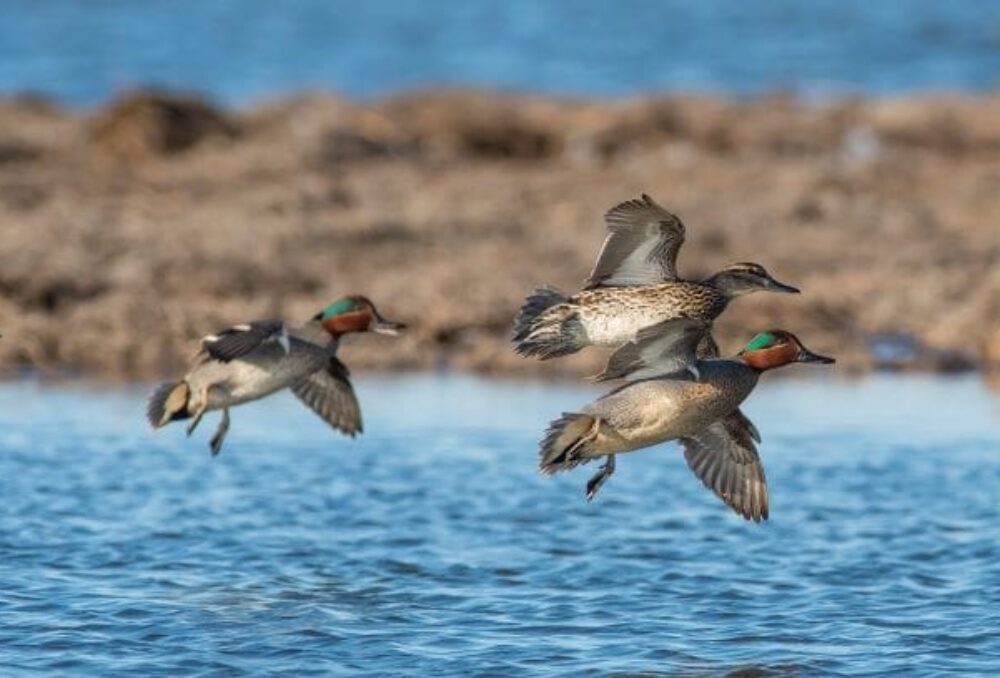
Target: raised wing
[
  {"x": 329, "y": 394},
  {"x": 666, "y": 347},
  {"x": 239, "y": 340},
  {"x": 641, "y": 245},
  {"x": 725, "y": 458}
]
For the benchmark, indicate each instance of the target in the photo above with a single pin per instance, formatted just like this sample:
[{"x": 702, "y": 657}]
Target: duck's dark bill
[
  {"x": 776, "y": 286},
  {"x": 807, "y": 356}
]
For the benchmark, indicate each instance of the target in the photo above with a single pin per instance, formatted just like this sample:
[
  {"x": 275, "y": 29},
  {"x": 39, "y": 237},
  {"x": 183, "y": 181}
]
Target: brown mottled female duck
[{"x": 633, "y": 285}]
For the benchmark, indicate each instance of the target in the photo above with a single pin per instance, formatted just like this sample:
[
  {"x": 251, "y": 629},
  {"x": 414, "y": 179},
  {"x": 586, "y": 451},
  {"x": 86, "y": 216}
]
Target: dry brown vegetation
[{"x": 130, "y": 231}]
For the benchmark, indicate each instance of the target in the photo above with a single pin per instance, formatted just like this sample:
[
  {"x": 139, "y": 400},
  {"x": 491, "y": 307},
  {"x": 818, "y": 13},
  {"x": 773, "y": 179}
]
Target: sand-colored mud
[{"x": 128, "y": 232}]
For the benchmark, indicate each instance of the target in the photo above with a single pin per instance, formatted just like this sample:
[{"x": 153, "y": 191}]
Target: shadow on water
[{"x": 431, "y": 543}]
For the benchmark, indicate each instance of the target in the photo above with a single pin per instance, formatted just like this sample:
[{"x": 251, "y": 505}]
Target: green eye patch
[
  {"x": 762, "y": 340},
  {"x": 338, "y": 307}
]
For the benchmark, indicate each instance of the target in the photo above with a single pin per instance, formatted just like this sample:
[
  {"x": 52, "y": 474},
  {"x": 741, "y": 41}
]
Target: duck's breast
[{"x": 722, "y": 386}]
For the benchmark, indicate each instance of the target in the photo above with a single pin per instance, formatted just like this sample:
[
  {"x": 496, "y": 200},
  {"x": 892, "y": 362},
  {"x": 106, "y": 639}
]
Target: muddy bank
[{"x": 128, "y": 232}]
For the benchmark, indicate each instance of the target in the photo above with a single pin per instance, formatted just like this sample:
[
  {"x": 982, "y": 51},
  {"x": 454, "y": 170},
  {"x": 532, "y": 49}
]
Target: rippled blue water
[
  {"x": 82, "y": 51},
  {"x": 430, "y": 543}
]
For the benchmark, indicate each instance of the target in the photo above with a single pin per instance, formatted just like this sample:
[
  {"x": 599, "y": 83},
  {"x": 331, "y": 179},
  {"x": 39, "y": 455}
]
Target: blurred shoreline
[{"x": 133, "y": 229}]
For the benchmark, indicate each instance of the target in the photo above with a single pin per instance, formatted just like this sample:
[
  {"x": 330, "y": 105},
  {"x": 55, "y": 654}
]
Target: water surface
[
  {"x": 431, "y": 544},
  {"x": 82, "y": 51}
]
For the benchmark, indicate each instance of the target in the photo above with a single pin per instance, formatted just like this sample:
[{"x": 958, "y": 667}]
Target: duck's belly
[
  {"x": 605, "y": 328},
  {"x": 611, "y": 316},
  {"x": 638, "y": 416},
  {"x": 240, "y": 381},
  {"x": 251, "y": 383},
  {"x": 659, "y": 410}
]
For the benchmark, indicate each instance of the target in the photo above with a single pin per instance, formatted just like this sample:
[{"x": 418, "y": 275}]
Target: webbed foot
[
  {"x": 601, "y": 477},
  {"x": 220, "y": 433},
  {"x": 194, "y": 422}
]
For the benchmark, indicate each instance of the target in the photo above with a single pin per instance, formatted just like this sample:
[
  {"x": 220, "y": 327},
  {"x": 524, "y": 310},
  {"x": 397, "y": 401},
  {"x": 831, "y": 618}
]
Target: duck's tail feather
[
  {"x": 168, "y": 403},
  {"x": 566, "y": 441},
  {"x": 547, "y": 328}
]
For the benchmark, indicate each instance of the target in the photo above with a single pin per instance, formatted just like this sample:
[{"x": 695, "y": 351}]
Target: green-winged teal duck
[
  {"x": 633, "y": 285},
  {"x": 253, "y": 360},
  {"x": 676, "y": 396}
]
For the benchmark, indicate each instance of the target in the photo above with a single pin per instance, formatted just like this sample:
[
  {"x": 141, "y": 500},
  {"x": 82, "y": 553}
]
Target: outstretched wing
[
  {"x": 744, "y": 423},
  {"x": 725, "y": 458},
  {"x": 328, "y": 393},
  {"x": 239, "y": 340},
  {"x": 663, "y": 348},
  {"x": 641, "y": 245}
]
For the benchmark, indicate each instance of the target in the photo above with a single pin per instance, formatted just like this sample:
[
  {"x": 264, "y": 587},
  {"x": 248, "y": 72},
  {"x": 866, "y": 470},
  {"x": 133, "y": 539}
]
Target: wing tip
[{"x": 627, "y": 206}]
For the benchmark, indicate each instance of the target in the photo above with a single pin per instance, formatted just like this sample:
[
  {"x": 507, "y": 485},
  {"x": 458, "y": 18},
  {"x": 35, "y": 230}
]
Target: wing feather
[
  {"x": 239, "y": 340},
  {"x": 663, "y": 348},
  {"x": 641, "y": 246},
  {"x": 329, "y": 394},
  {"x": 725, "y": 458}
]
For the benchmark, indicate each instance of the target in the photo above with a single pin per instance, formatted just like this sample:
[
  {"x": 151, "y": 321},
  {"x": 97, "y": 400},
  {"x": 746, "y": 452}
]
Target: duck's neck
[{"x": 314, "y": 332}]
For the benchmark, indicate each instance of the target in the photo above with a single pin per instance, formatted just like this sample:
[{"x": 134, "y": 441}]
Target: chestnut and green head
[
  {"x": 355, "y": 313},
  {"x": 746, "y": 277},
  {"x": 775, "y": 348}
]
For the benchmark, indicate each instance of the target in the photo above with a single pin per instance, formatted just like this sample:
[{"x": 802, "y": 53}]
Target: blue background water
[
  {"x": 431, "y": 542},
  {"x": 236, "y": 50}
]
